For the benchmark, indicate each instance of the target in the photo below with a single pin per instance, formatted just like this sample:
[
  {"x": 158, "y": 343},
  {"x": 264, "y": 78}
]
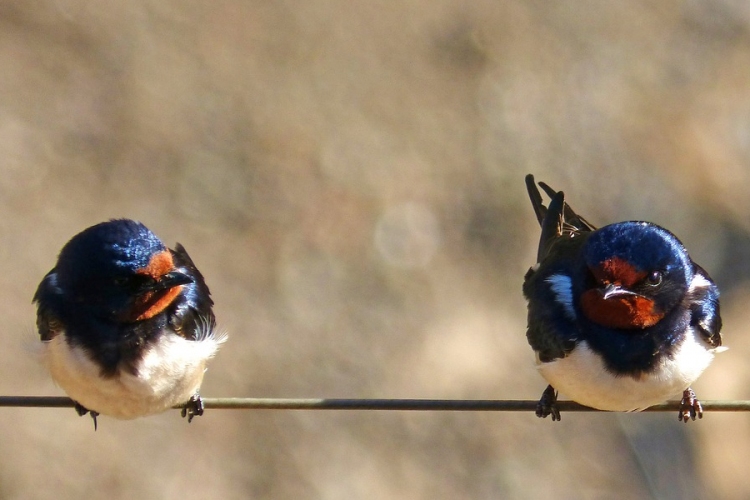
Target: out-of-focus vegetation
[{"x": 349, "y": 178}]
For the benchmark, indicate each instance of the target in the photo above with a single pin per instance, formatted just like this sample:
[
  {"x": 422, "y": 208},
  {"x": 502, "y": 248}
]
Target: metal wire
[{"x": 376, "y": 404}]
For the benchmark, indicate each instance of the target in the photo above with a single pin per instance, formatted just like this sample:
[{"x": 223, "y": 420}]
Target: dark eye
[
  {"x": 654, "y": 278},
  {"x": 120, "y": 281}
]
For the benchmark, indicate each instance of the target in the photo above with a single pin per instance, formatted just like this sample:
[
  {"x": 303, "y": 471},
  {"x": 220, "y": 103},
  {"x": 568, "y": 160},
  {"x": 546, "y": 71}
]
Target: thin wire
[{"x": 376, "y": 404}]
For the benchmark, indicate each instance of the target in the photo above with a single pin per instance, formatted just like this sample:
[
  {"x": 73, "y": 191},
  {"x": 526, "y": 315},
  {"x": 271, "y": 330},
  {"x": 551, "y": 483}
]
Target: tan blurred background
[{"x": 349, "y": 178}]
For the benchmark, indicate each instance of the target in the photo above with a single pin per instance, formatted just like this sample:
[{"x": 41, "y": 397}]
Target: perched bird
[
  {"x": 619, "y": 317},
  {"x": 126, "y": 323}
]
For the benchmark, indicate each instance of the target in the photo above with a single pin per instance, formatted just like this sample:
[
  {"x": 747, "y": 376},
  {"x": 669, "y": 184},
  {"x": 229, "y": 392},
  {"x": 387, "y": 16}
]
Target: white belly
[
  {"x": 582, "y": 377},
  {"x": 170, "y": 372}
]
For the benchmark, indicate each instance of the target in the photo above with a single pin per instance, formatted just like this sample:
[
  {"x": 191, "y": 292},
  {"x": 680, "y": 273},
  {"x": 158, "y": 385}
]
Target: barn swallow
[
  {"x": 620, "y": 317},
  {"x": 126, "y": 324}
]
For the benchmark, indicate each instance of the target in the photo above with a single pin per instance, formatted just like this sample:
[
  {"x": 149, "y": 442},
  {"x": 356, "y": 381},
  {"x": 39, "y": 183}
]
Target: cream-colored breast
[
  {"x": 170, "y": 371},
  {"x": 582, "y": 376}
]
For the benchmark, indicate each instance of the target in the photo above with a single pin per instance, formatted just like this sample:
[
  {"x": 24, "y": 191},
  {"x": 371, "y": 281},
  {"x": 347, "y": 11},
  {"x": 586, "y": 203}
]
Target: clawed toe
[
  {"x": 193, "y": 407},
  {"x": 548, "y": 404},
  {"x": 82, "y": 410},
  {"x": 690, "y": 407}
]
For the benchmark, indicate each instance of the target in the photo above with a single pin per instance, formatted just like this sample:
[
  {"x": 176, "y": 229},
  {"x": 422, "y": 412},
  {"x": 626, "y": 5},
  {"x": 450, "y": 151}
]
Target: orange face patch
[
  {"x": 617, "y": 270},
  {"x": 159, "y": 265},
  {"x": 628, "y": 312},
  {"x": 150, "y": 304}
]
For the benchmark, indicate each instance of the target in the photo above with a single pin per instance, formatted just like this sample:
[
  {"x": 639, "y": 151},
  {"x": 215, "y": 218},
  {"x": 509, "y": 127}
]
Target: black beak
[
  {"x": 170, "y": 280},
  {"x": 612, "y": 290}
]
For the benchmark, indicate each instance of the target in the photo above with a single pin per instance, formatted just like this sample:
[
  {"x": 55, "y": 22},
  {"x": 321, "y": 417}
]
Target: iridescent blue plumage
[
  {"x": 119, "y": 246},
  {"x": 610, "y": 307},
  {"x": 127, "y": 324},
  {"x": 642, "y": 244}
]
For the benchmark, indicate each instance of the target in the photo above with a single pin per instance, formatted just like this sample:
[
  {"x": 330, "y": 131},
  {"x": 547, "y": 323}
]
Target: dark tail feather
[
  {"x": 536, "y": 198},
  {"x": 552, "y": 225},
  {"x": 556, "y": 219},
  {"x": 569, "y": 216},
  {"x": 550, "y": 192}
]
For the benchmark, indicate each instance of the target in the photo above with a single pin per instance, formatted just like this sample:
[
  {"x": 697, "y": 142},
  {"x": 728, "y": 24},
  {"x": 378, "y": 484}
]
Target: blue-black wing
[
  {"x": 193, "y": 316},
  {"x": 705, "y": 311},
  {"x": 552, "y": 332}
]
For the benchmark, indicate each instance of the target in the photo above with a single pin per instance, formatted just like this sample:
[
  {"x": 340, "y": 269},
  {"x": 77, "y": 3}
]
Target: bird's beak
[
  {"x": 171, "y": 280},
  {"x": 613, "y": 290}
]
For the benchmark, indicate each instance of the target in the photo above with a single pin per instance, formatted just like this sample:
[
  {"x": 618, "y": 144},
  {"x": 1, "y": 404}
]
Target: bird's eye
[
  {"x": 654, "y": 278},
  {"x": 121, "y": 281}
]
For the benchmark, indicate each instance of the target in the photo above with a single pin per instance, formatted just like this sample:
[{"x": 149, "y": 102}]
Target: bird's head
[
  {"x": 120, "y": 271},
  {"x": 636, "y": 273}
]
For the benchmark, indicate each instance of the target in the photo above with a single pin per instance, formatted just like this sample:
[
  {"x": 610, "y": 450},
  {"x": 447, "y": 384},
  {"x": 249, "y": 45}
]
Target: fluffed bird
[
  {"x": 620, "y": 317},
  {"x": 126, "y": 324}
]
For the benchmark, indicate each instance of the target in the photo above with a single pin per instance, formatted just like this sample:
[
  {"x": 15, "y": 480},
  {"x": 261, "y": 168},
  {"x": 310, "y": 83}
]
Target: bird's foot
[
  {"x": 82, "y": 410},
  {"x": 690, "y": 407},
  {"x": 548, "y": 404},
  {"x": 193, "y": 407}
]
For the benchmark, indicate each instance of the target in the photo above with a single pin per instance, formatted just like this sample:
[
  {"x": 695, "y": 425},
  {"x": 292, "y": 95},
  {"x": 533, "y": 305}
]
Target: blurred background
[{"x": 349, "y": 178}]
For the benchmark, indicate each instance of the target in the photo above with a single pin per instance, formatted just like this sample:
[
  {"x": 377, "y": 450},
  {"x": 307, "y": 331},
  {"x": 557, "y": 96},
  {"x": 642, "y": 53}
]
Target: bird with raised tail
[{"x": 620, "y": 317}]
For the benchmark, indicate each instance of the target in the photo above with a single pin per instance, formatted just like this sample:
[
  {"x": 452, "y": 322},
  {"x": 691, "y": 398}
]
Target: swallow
[
  {"x": 620, "y": 318},
  {"x": 126, "y": 324}
]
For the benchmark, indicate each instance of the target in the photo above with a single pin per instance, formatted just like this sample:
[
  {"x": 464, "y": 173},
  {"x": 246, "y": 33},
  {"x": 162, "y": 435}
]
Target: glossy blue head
[
  {"x": 114, "y": 248},
  {"x": 637, "y": 273},
  {"x": 644, "y": 245},
  {"x": 119, "y": 269}
]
